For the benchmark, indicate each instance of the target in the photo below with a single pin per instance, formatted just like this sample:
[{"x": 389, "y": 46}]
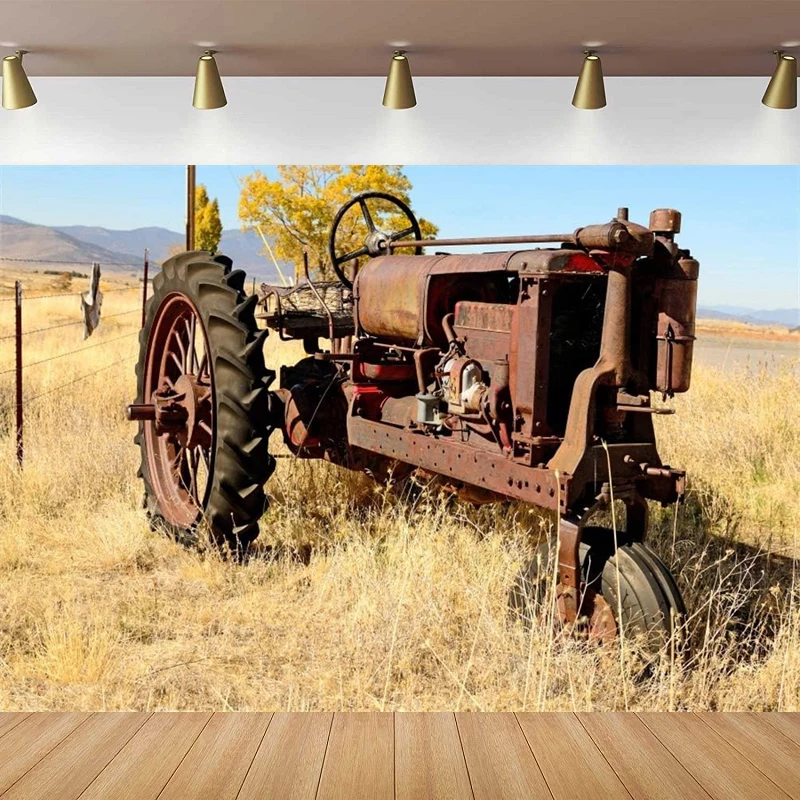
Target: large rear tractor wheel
[
  {"x": 203, "y": 403},
  {"x": 631, "y": 589}
]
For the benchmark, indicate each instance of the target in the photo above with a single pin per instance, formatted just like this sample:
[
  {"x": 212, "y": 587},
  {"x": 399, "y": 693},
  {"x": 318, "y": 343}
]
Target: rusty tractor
[{"x": 524, "y": 374}]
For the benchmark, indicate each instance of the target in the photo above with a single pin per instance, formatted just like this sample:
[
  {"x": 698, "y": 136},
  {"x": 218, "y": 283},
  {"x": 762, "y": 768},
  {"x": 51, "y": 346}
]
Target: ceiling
[{"x": 356, "y": 37}]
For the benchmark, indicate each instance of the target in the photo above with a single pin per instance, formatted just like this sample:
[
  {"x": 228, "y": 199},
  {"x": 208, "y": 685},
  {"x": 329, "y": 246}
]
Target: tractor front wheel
[
  {"x": 631, "y": 589},
  {"x": 203, "y": 405}
]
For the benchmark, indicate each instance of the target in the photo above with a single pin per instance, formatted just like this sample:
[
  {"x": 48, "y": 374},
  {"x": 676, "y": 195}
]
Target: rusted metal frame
[
  {"x": 613, "y": 368},
  {"x": 279, "y": 311},
  {"x": 453, "y": 459},
  {"x": 570, "y": 580},
  {"x": 571, "y": 587},
  {"x": 322, "y": 303},
  {"x": 637, "y": 517},
  {"x": 529, "y": 368},
  {"x": 574, "y": 597}
]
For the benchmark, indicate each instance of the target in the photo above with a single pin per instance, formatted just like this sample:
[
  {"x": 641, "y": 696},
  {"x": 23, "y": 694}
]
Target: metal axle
[
  {"x": 141, "y": 412},
  {"x": 532, "y": 239}
]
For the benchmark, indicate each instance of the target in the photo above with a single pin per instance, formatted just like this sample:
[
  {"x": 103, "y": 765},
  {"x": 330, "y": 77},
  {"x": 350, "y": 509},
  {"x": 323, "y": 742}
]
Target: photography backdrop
[{"x": 457, "y": 121}]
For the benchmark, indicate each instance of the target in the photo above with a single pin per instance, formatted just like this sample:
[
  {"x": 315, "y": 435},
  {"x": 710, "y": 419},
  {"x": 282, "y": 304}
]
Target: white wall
[{"x": 457, "y": 121}]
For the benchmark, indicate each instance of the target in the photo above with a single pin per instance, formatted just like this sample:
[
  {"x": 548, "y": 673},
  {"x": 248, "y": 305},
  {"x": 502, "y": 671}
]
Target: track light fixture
[
  {"x": 17, "y": 92},
  {"x": 208, "y": 90},
  {"x": 399, "y": 92},
  {"x": 590, "y": 91},
  {"x": 782, "y": 89}
]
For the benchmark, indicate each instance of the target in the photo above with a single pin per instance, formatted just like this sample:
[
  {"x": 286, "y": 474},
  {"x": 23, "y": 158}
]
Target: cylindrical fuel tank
[
  {"x": 389, "y": 295},
  {"x": 676, "y": 295},
  {"x": 403, "y": 299}
]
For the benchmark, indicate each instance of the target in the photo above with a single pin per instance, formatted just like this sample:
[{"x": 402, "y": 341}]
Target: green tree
[
  {"x": 297, "y": 209},
  {"x": 207, "y": 224}
]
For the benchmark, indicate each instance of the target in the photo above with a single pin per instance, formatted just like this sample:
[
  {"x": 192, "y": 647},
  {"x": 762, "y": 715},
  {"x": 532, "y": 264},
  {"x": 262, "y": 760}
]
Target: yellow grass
[{"x": 403, "y": 603}]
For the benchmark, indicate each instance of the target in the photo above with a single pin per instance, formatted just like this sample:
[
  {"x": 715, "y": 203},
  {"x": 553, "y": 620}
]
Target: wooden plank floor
[{"x": 441, "y": 756}]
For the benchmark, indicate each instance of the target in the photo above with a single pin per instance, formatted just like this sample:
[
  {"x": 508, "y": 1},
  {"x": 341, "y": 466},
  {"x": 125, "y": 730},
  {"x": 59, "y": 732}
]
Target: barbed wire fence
[{"x": 21, "y": 400}]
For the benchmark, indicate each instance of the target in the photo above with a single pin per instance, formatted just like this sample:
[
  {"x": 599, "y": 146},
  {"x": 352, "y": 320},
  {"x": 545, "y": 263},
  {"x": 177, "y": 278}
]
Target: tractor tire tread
[{"x": 235, "y": 499}]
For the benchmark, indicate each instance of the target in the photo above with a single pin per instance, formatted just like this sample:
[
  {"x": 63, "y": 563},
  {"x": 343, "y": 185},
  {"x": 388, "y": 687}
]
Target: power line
[
  {"x": 72, "y": 352},
  {"x": 69, "y": 263},
  {"x": 67, "y": 324},
  {"x": 68, "y": 294}
]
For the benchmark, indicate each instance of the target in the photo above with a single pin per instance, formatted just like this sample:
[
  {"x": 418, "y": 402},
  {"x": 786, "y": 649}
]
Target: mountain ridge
[{"x": 117, "y": 249}]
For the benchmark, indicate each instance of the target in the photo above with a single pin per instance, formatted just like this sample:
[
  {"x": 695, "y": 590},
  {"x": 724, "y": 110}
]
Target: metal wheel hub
[{"x": 179, "y": 409}]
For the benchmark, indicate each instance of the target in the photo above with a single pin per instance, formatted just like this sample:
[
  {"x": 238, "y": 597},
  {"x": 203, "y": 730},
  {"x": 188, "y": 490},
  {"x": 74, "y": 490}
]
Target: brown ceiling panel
[{"x": 443, "y": 37}]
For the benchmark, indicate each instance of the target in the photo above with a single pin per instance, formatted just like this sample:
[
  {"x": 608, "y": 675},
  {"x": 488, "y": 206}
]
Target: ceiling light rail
[{"x": 399, "y": 93}]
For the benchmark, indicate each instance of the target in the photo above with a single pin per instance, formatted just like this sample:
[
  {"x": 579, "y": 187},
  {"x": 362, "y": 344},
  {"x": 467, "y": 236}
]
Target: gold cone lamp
[
  {"x": 782, "y": 89},
  {"x": 590, "y": 92},
  {"x": 208, "y": 91},
  {"x": 399, "y": 92},
  {"x": 17, "y": 92}
]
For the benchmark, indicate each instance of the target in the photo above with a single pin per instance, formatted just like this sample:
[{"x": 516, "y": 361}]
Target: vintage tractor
[{"x": 518, "y": 375}]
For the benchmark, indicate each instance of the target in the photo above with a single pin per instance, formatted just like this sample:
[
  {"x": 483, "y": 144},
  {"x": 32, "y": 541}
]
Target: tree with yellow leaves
[
  {"x": 298, "y": 208},
  {"x": 207, "y": 224}
]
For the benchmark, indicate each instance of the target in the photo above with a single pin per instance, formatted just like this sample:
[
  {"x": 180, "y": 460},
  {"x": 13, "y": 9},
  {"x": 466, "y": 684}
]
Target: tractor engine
[{"x": 487, "y": 348}]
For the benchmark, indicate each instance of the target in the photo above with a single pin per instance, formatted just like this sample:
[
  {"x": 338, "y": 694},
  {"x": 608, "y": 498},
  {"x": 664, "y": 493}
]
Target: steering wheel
[{"x": 376, "y": 241}]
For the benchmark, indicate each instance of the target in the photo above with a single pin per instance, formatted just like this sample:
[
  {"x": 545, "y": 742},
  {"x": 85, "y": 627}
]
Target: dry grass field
[
  {"x": 396, "y": 604},
  {"x": 773, "y": 333}
]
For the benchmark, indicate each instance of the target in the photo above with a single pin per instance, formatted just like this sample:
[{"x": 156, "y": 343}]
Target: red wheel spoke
[
  {"x": 191, "y": 357},
  {"x": 177, "y": 461},
  {"x": 177, "y": 361},
  {"x": 179, "y": 442},
  {"x": 203, "y": 368},
  {"x": 192, "y": 465},
  {"x": 182, "y": 348}
]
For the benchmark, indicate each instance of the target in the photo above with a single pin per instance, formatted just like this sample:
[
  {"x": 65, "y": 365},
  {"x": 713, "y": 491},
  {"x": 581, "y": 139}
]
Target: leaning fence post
[
  {"x": 144, "y": 281},
  {"x": 18, "y": 365}
]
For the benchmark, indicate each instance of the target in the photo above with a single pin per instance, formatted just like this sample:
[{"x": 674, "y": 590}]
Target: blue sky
[{"x": 742, "y": 223}]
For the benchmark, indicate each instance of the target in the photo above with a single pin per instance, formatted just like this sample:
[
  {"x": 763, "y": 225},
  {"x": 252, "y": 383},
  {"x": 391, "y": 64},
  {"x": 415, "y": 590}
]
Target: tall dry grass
[{"x": 401, "y": 601}]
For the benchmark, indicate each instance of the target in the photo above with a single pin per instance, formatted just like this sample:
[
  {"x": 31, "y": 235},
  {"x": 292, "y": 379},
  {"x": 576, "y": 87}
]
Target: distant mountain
[
  {"x": 24, "y": 241},
  {"x": 133, "y": 242},
  {"x": 790, "y": 317},
  {"x": 115, "y": 248},
  {"x": 244, "y": 247}
]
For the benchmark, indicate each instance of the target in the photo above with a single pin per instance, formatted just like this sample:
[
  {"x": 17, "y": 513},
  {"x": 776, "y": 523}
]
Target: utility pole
[{"x": 191, "y": 182}]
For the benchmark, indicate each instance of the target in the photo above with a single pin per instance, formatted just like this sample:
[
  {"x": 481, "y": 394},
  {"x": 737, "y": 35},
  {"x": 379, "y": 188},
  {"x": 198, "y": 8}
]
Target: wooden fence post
[
  {"x": 144, "y": 288},
  {"x": 18, "y": 365}
]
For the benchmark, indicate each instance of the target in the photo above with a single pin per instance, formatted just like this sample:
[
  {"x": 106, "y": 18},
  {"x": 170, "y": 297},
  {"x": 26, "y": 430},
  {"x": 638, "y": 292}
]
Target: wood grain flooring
[{"x": 403, "y": 756}]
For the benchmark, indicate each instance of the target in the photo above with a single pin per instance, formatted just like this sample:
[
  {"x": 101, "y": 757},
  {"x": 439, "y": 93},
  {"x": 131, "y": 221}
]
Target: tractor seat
[{"x": 304, "y": 310}]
